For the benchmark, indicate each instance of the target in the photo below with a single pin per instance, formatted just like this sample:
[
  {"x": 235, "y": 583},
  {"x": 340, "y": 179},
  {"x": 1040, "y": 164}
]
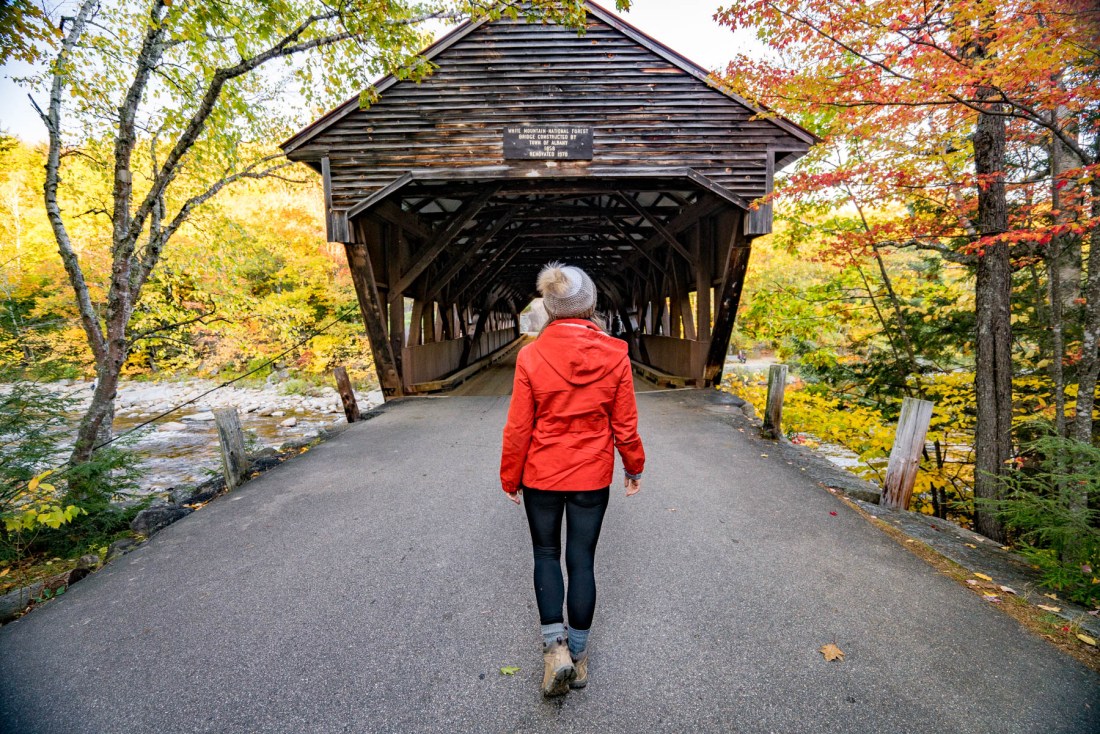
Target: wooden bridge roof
[{"x": 653, "y": 112}]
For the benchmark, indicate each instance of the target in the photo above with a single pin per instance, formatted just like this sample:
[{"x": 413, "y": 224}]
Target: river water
[{"x": 181, "y": 448}]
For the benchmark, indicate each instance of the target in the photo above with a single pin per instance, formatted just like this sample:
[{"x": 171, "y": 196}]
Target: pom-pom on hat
[{"x": 567, "y": 292}]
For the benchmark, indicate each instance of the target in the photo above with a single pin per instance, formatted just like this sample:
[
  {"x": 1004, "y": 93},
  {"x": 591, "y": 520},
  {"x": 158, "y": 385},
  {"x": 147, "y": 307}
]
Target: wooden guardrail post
[
  {"x": 773, "y": 413},
  {"x": 901, "y": 472},
  {"x": 235, "y": 462},
  {"x": 347, "y": 395}
]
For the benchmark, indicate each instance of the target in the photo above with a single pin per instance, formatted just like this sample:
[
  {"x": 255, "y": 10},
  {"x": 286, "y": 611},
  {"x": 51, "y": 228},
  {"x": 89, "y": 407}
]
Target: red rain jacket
[{"x": 572, "y": 404}]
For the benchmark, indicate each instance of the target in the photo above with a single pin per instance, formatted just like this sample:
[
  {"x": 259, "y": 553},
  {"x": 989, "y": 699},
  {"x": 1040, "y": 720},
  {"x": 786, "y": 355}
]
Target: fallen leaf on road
[
  {"x": 972, "y": 582},
  {"x": 983, "y": 577},
  {"x": 1051, "y": 596},
  {"x": 5, "y": 572},
  {"x": 1005, "y": 547},
  {"x": 671, "y": 509},
  {"x": 970, "y": 545},
  {"x": 764, "y": 455},
  {"x": 909, "y": 541},
  {"x": 831, "y": 652},
  {"x": 832, "y": 512},
  {"x": 509, "y": 670},
  {"x": 1086, "y": 639},
  {"x": 1053, "y": 610},
  {"x": 1008, "y": 590}
]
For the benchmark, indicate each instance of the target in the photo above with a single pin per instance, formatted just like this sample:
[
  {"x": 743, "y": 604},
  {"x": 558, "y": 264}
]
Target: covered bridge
[{"x": 532, "y": 142}]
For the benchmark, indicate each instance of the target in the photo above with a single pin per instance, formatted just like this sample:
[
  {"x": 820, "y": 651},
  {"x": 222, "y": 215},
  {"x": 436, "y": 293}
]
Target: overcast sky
[{"x": 684, "y": 25}]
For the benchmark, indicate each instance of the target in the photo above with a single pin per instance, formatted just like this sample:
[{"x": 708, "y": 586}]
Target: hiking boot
[
  {"x": 581, "y": 666},
  {"x": 558, "y": 670}
]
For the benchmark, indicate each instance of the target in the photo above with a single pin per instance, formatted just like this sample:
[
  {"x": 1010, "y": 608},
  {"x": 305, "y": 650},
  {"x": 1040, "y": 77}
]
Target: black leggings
[{"x": 584, "y": 515}]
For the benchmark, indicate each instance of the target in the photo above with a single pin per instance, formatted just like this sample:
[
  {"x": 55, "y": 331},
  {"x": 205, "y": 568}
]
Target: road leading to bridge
[{"x": 379, "y": 582}]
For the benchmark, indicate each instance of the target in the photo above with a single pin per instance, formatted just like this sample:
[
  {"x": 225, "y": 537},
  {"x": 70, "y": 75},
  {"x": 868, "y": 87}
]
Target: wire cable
[{"x": 61, "y": 469}]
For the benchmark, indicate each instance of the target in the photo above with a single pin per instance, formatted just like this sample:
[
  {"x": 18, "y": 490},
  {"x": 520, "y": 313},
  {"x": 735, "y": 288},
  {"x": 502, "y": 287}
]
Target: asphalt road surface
[{"x": 379, "y": 582}]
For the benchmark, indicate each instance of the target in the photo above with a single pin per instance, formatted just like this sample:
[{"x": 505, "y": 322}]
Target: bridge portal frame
[{"x": 445, "y": 226}]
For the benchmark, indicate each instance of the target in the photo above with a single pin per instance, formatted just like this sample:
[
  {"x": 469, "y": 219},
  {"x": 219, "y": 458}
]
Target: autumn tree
[
  {"x": 904, "y": 91},
  {"x": 192, "y": 97}
]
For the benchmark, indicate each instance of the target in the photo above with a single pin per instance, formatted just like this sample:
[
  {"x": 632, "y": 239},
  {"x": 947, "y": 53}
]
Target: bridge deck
[{"x": 379, "y": 582}]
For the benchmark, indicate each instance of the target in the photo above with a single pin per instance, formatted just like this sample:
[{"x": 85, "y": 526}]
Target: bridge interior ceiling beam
[{"x": 459, "y": 233}]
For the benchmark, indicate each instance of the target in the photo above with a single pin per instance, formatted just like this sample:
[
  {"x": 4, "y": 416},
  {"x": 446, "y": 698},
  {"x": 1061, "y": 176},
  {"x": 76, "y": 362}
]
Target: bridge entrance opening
[{"x": 531, "y": 143}]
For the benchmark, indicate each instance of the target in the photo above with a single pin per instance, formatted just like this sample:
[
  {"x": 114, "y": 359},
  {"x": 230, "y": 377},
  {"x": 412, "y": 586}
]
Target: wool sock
[
  {"x": 578, "y": 641},
  {"x": 552, "y": 633}
]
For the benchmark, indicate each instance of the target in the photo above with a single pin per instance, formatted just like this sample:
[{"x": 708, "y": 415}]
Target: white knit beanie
[{"x": 567, "y": 292}]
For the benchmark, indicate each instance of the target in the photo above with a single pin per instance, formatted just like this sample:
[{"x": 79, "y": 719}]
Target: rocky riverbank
[{"x": 181, "y": 448}]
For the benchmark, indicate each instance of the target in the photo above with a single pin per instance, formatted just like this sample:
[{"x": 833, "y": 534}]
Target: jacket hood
[{"x": 579, "y": 351}]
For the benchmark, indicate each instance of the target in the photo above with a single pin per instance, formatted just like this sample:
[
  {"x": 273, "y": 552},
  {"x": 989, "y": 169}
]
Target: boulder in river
[
  {"x": 203, "y": 417},
  {"x": 152, "y": 519},
  {"x": 172, "y": 426},
  {"x": 289, "y": 423}
]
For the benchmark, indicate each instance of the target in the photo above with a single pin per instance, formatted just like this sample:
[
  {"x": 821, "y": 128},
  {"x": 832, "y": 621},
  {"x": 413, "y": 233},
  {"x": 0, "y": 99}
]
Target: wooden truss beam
[
  {"x": 663, "y": 232},
  {"x": 428, "y": 255},
  {"x": 439, "y": 282}
]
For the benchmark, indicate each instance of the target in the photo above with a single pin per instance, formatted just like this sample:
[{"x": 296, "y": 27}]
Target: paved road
[{"x": 379, "y": 582}]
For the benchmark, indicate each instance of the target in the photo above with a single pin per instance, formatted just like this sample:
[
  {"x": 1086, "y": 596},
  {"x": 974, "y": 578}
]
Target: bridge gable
[{"x": 647, "y": 107}]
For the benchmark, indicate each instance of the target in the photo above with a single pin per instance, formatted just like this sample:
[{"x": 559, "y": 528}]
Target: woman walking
[{"x": 572, "y": 405}]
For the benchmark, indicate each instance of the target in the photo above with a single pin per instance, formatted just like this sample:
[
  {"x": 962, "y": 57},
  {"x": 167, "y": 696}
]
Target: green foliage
[
  {"x": 251, "y": 276},
  {"x": 25, "y": 31},
  {"x": 31, "y": 421},
  {"x": 1052, "y": 505},
  {"x": 63, "y": 510}
]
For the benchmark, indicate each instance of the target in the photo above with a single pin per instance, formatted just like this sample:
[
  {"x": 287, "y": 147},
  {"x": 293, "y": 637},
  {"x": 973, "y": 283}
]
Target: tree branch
[
  {"x": 989, "y": 108},
  {"x": 200, "y": 319},
  {"x": 156, "y": 245},
  {"x": 52, "y": 119},
  {"x": 285, "y": 47}
]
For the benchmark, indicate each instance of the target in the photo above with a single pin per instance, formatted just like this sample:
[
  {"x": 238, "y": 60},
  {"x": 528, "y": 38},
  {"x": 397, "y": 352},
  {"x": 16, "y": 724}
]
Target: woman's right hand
[{"x": 633, "y": 486}]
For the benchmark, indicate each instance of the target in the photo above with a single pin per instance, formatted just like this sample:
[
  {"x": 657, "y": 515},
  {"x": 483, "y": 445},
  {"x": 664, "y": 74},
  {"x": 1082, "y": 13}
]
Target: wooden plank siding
[{"x": 643, "y": 111}]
